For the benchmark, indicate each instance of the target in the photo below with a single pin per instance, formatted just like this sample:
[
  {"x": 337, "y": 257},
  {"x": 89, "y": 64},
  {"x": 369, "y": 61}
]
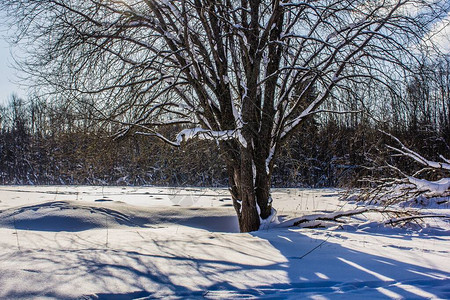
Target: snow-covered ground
[{"x": 148, "y": 242}]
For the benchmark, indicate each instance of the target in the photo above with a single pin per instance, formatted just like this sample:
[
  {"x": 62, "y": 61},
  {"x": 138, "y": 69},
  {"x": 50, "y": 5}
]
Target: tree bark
[{"x": 250, "y": 191}]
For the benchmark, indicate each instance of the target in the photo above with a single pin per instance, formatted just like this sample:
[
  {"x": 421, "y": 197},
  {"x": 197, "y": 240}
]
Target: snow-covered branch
[
  {"x": 393, "y": 217},
  {"x": 395, "y": 190},
  {"x": 200, "y": 133},
  {"x": 403, "y": 150}
]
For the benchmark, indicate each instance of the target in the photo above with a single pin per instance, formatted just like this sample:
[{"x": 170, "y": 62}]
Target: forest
[{"x": 47, "y": 142}]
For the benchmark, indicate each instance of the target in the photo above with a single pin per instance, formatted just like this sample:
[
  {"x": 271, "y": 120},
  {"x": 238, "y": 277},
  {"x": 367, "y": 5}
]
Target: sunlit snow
[{"x": 174, "y": 243}]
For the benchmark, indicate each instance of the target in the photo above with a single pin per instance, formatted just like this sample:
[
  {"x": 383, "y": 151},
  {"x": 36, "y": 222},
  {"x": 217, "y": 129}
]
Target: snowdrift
[{"x": 147, "y": 243}]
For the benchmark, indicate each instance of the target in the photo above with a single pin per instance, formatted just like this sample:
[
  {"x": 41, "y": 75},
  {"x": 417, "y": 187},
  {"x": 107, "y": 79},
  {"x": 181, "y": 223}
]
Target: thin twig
[{"x": 17, "y": 233}]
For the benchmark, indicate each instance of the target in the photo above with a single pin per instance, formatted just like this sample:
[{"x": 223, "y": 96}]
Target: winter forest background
[{"x": 44, "y": 141}]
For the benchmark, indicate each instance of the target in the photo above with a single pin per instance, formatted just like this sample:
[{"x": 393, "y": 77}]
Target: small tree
[{"x": 233, "y": 71}]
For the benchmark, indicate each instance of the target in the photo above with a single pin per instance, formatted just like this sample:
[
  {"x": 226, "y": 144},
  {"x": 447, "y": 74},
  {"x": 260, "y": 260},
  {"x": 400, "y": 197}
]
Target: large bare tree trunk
[{"x": 250, "y": 190}]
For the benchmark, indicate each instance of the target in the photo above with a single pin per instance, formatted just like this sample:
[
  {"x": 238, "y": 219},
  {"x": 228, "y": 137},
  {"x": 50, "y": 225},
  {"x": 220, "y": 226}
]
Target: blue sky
[
  {"x": 6, "y": 73},
  {"x": 8, "y": 79}
]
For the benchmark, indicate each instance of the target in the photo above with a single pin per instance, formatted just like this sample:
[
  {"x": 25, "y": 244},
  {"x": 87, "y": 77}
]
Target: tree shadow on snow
[
  {"x": 306, "y": 267},
  {"x": 277, "y": 263},
  {"x": 312, "y": 268},
  {"x": 323, "y": 267}
]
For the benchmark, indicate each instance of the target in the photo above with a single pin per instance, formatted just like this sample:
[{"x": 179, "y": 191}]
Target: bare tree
[{"x": 236, "y": 71}]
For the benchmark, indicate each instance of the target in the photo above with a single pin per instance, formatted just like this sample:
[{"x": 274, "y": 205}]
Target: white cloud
[{"x": 440, "y": 35}]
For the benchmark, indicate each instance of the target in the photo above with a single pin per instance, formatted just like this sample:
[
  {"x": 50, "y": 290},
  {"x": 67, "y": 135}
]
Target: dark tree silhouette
[{"x": 238, "y": 72}]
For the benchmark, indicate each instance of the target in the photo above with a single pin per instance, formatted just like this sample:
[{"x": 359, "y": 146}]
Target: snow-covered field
[{"x": 148, "y": 242}]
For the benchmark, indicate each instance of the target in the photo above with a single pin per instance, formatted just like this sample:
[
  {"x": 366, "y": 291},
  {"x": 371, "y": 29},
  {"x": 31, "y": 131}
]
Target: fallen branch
[
  {"x": 410, "y": 218},
  {"x": 317, "y": 221},
  {"x": 335, "y": 216}
]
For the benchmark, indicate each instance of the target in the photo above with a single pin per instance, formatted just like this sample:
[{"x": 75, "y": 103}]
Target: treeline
[{"x": 49, "y": 143}]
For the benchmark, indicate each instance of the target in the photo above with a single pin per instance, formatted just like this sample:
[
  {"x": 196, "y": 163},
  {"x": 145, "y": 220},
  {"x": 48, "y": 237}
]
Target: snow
[
  {"x": 177, "y": 243},
  {"x": 271, "y": 221},
  {"x": 187, "y": 134},
  {"x": 269, "y": 159},
  {"x": 438, "y": 187}
]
